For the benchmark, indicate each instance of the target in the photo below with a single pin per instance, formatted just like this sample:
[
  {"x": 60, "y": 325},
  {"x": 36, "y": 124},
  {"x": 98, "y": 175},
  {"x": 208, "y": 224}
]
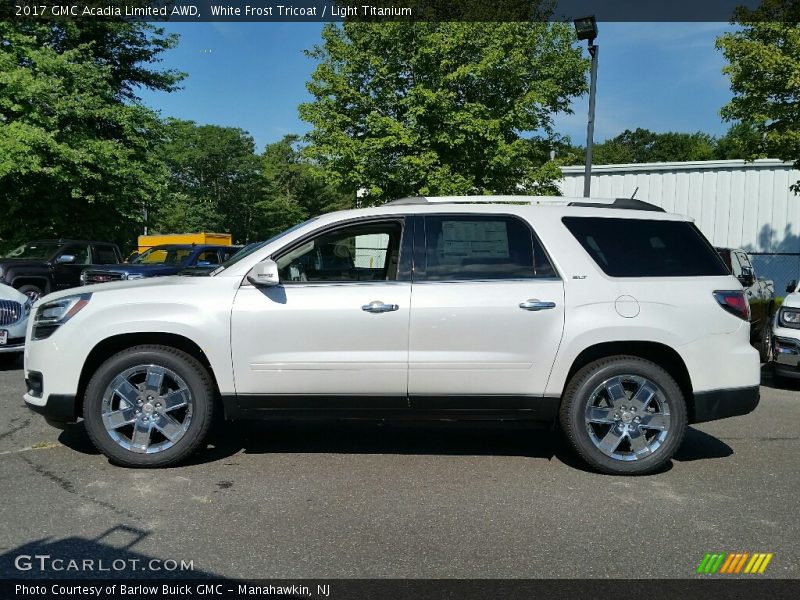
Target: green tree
[
  {"x": 643, "y": 145},
  {"x": 76, "y": 149},
  {"x": 441, "y": 107},
  {"x": 764, "y": 68},
  {"x": 741, "y": 141},
  {"x": 293, "y": 189},
  {"x": 213, "y": 180}
]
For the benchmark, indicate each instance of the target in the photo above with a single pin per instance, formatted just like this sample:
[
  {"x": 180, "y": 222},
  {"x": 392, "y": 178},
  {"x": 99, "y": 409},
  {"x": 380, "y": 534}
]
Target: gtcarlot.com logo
[{"x": 734, "y": 563}]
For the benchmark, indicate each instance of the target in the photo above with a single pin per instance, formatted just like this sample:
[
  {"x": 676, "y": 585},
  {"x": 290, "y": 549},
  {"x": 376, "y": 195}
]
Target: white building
[{"x": 735, "y": 203}]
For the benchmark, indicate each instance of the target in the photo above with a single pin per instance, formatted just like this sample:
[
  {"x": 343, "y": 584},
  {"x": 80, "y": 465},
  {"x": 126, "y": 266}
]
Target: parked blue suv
[{"x": 159, "y": 261}]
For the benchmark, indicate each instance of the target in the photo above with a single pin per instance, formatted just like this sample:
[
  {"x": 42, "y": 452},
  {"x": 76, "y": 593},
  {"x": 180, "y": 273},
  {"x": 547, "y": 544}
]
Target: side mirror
[
  {"x": 65, "y": 259},
  {"x": 791, "y": 287},
  {"x": 133, "y": 256},
  {"x": 264, "y": 274},
  {"x": 747, "y": 278}
]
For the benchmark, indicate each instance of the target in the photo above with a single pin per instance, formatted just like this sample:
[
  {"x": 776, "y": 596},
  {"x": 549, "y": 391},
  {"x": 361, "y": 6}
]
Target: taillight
[{"x": 735, "y": 302}]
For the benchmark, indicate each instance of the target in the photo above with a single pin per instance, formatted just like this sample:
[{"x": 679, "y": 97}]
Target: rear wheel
[
  {"x": 149, "y": 406},
  {"x": 624, "y": 415}
]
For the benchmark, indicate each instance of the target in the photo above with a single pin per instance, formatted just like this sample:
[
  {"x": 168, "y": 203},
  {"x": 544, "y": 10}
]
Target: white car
[
  {"x": 786, "y": 338},
  {"x": 14, "y": 310},
  {"x": 613, "y": 318}
]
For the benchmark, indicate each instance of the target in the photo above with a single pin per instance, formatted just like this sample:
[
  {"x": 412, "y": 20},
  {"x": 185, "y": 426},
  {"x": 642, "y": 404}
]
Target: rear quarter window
[{"x": 646, "y": 248}]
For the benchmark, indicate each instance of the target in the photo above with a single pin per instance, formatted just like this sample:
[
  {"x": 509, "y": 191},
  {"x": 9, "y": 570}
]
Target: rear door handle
[
  {"x": 376, "y": 306},
  {"x": 534, "y": 305}
]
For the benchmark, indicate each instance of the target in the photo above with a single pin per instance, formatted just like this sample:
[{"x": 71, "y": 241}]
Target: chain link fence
[{"x": 781, "y": 268}]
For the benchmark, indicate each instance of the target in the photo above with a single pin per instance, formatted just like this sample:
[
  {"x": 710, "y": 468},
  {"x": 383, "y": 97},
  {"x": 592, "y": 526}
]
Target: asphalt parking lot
[{"x": 365, "y": 500}]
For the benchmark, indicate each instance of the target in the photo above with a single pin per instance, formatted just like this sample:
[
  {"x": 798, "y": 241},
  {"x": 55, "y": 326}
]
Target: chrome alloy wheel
[
  {"x": 147, "y": 409},
  {"x": 627, "y": 417}
]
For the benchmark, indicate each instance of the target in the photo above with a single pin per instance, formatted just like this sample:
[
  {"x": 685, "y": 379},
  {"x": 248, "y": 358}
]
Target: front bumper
[
  {"x": 721, "y": 404},
  {"x": 14, "y": 346},
  {"x": 58, "y": 409},
  {"x": 786, "y": 356},
  {"x": 16, "y": 336}
]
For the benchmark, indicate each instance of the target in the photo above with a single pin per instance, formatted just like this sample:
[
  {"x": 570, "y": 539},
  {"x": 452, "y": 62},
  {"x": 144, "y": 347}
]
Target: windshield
[
  {"x": 35, "y": 250},
  {"x": 250, "y": 248},
  {"x": 162, "y": 255}
]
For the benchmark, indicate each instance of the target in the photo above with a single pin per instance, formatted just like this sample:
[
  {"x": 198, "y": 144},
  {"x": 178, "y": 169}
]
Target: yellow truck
[{"x": 217, "y": 239}]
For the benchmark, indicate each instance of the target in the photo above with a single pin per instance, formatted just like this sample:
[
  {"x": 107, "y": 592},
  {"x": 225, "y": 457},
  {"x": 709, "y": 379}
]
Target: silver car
[{"x": 14, "y": 310}]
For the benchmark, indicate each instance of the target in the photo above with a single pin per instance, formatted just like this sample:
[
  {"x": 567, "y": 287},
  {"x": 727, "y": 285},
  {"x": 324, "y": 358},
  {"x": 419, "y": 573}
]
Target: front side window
[
  {"x": 474, "y": 247},
  {"x": 362, "y": 252},
  {"x": 209, "y": 257},
  {"x": 162, "y": 255},
  {"x": 80, "y": 252}
]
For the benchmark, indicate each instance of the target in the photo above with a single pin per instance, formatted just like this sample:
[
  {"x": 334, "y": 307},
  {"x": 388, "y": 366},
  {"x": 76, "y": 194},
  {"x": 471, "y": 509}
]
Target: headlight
[
  {"x": 2, "y": 272},
  {"x": 790, "y": 317},
  {"x": 27, "y": 307},
  {"x": 134, "y": 276},
  {"x": 52, "y": 315}
]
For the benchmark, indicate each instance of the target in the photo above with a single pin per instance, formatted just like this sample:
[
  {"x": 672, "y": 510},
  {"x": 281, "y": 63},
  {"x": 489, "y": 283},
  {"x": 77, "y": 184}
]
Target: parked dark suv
[
  {"x": 158, "y": 261},
  {"x": 43, "y": 266}
]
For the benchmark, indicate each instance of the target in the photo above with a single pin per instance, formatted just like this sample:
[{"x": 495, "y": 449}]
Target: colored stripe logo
[{"x": 734, "y": 563}]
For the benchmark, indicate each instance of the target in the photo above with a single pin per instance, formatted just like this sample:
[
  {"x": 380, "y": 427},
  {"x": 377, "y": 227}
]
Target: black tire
[
  {"x": 579, "y": 392},
  {"x": 765, "y": 342},
  {"x": 779, "y": 381},
  {"x": 31, "y": 291},
  {"x": 197, "y": 381}
]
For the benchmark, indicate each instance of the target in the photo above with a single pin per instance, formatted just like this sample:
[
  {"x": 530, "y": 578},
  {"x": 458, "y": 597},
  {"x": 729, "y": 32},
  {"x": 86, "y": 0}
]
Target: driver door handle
[
  {"x": 533, "y": 305},
  {"x": 376, "y": 306}
]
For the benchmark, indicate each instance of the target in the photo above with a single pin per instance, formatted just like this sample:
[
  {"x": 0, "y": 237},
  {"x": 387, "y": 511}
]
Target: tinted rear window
[{"x": 644, "y": 248}]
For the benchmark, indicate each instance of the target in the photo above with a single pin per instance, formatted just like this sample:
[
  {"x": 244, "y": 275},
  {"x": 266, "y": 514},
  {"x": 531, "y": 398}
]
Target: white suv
[{"x": 611, "y": 317}]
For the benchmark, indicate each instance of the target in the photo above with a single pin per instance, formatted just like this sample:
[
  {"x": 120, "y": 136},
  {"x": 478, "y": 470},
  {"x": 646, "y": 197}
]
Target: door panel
[
  {"x": 316, "y": 339},
  {"x": 472, "y": 338},
  {"x": 487, "y": 310},
  {"x": 69, "y": 275},
  {"x": 338, "y": 324}
]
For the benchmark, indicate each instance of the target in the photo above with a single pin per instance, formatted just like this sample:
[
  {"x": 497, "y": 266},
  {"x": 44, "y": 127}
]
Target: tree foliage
[
  {"x": 217, "y": 182},
  {"x": 643, "y": 145},
  {"x": 76, "y": 151},
  {"x": 741, "y": 141},
  {"x": 441, "y": 108},
  {"x": 764, "y": 68}
]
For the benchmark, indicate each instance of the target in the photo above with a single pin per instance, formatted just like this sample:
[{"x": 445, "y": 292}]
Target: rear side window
[
  {"x": 105, "y": 255},
  {"x": 645, "y": 248},
  {"x": 482, "y": 247}
]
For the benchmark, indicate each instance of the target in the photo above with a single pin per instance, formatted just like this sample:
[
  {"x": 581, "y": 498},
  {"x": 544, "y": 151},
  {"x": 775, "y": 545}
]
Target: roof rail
[
  {"x": 624, "y": 203},
  {"x": 619, "y": 203}
]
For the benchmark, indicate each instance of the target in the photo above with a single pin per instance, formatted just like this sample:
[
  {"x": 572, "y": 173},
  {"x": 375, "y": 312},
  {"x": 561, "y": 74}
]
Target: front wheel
[
  {"x": 31, "y": 291},
  {"x": 624, "y": 415},
  {"x": 765, "y": 344},
  {"x": 149, "y": 406}
]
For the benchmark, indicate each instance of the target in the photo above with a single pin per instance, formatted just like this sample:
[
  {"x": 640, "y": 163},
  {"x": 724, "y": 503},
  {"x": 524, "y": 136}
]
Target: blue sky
[{"x": 660, "y": 76}]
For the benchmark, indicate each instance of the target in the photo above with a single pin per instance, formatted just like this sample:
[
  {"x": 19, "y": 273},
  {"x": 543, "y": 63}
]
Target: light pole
[{"x": 586, "y": 29}]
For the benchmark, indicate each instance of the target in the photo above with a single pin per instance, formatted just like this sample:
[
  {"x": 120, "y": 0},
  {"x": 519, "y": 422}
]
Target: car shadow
[
  {"x": 699, "y": 445},
  {"x": 110, "y": 556},
  {"x": 768, "y": 381},
  {"x": 401, "y": 438}
]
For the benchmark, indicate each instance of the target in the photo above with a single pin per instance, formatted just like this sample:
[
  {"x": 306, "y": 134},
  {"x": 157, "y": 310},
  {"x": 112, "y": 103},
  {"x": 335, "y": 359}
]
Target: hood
[
  {"x": 9, "y": 293},
  {"x": 792, "y": 300},
  {"x": 99, "y": 288},
  {"x": 22, "y": 262}
]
